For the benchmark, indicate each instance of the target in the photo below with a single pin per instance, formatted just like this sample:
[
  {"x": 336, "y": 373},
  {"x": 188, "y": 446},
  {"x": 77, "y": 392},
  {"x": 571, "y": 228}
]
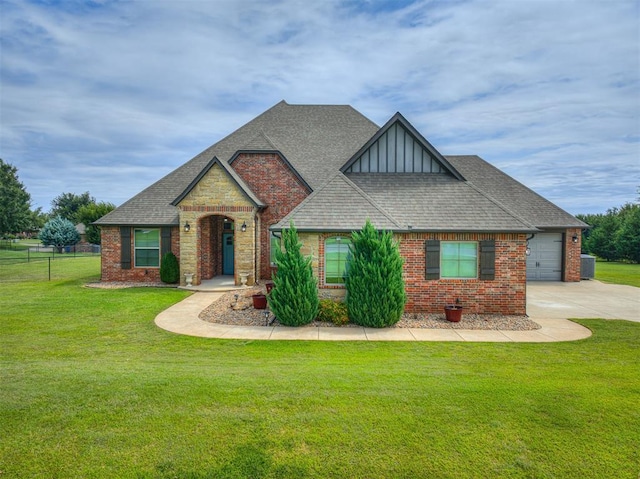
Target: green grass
[
  {"x": 618, "y": 273},
  {"x": 92, "y": 389}
]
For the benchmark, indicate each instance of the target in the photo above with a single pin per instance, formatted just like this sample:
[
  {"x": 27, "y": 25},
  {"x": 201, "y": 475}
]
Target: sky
[{"x": 110, "y": 96}]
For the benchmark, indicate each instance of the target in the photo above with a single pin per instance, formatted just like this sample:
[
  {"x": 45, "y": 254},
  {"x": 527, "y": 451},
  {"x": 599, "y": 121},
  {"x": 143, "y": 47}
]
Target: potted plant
[
  {"x": 453, "y": 312},
  {"x": 188, "y": 277},
  {"x": 259, "y": 301}
]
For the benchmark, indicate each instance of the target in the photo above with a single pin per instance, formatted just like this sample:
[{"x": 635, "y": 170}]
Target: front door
[{"x": 227, "y": 253}]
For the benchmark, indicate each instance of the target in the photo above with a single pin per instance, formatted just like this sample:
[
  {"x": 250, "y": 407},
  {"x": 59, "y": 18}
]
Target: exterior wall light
[
  {"x": 244, "y": 226},
  {"x": 187, "y": 227},
  {"x": 574, "y": 238}
]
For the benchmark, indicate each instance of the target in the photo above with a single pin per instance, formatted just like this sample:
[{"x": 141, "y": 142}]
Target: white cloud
[{"x": 110, "y": 96}]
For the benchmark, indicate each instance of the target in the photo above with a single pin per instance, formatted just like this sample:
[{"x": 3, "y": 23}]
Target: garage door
[{"x": 545, "y": 261}]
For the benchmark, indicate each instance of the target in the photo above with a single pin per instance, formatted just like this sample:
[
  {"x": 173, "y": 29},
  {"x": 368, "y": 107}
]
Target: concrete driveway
[{"x": 586, "y": 299}]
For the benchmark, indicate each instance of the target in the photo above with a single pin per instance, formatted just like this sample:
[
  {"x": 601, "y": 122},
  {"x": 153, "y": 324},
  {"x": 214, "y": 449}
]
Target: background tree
[
  {"x": 59, "y": 232},
  {"x": 602, "y": 240},
  {"x": 628, "y": 236},
  {"x": 14, "y": 201},
  {"x": 614, "y": 235},
  {"x": 375, "y": 288},
  {"x": 68, "y": 204},
  {"x": 294, "y": 299},
  {"x": 89, "y": 213}
]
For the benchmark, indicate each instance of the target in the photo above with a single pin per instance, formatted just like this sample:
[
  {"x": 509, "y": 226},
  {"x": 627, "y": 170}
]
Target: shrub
[
  {"x": 330, "y": 311},
  {"x": 169, "y": 268},
  {"x": 375, "y": 288},
  {"x": 294, "y": 298},
  {"x": 59, "y": 232}
]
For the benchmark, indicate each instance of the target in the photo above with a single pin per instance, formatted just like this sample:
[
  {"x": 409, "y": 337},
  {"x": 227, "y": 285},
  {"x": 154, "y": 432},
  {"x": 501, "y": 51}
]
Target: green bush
[
  {"x": 330, "y": 311},
  {"x": 294, "y": 298},
  {"x": 375, "y": 288},
  {"x": 169, "y": 268}
]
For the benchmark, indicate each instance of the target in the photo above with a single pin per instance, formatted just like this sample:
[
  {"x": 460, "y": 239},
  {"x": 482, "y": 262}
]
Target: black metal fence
[{"x": 39, "y": 263}]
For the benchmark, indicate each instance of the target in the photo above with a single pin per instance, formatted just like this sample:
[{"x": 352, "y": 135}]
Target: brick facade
[
  {"x": 271, "y": 179},
  {"x": 571, "y": 268},
  {"x": 506, "y": 294},
  {"x": 111, "y": 267}
]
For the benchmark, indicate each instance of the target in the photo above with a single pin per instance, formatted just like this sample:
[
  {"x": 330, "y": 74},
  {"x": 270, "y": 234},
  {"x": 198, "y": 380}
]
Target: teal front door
[{"x": 227, "y": 254}]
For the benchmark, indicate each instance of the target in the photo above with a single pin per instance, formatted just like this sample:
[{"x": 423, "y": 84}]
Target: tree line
[
  {"x": 615, "y": 235},
  {"x": 18, "y": 218}
]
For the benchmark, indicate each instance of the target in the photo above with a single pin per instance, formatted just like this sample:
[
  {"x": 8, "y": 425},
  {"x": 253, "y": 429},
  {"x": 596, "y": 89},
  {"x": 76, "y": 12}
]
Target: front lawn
[
  {"x": 92, "y": 389},
  {"x": 618, "y": 273}
]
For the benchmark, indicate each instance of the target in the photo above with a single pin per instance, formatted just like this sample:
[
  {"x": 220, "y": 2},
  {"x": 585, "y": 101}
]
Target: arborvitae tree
[
  {"x": 169, "y": 268},
  {"x": 294, "y": 298},
  {"x": 59, "y": 232},
  {"x": 375, "y": 288}
]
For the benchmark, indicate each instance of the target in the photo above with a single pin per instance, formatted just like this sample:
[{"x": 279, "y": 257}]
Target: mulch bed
[{"x": 240, "y": 312}]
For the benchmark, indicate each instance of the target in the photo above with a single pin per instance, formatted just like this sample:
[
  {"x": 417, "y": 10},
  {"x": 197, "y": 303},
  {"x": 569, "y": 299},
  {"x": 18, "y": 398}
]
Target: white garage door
[{"x": 545, "y": 261}]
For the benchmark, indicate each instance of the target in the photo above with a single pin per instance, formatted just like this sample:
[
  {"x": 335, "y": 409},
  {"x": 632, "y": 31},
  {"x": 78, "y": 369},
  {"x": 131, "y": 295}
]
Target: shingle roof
[
  {"x": 339, "y": 205},
  {"x": 513, "y": 195},
  {"x": 427, "y": 202},
  {"x": 316, "y": 140}
]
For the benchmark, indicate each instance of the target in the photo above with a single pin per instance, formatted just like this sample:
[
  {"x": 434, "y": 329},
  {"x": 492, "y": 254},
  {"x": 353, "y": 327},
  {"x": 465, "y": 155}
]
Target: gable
[
  {"x": 398, "y": 148},
  {"x": 217, "y": 185}
]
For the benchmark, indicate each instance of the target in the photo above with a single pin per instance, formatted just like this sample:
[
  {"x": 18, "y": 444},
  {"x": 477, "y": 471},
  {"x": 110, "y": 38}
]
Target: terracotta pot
[
  {"x": 453, "y": 313},
  {"x": 259, "y": 301}
]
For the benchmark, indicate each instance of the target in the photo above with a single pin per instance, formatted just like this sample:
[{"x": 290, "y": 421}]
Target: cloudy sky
[{"x": 109, "y": 96}]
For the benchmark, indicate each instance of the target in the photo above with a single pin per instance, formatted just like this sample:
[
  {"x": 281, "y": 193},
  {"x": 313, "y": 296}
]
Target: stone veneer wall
[
  {"x": 216, "y": 194},
  {"x": 271, "y": 179}
]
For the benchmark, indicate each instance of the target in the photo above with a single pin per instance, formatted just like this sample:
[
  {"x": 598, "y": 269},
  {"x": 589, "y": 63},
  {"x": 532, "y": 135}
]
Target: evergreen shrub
[
  {"x": 375, "y": 287},
  {"x": 169, "y": 268},
  {"x": 294, "y": 298}
]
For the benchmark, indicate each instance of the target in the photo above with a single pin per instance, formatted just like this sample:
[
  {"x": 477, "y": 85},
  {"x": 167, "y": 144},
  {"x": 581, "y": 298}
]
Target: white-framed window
[
  {"x": 146, "y": 245},
  {"x": 336, "y": 257},
  {"x": 275, "y": 244},
  {"x": 459, "y": 259}
]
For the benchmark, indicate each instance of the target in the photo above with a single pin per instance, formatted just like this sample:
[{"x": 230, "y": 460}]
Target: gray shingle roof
[
  {"x": 316, "y": 139},
  {"x": 513, "y": 195},
  {"x": 339, "y": 205},
  {"x": 428, "y": 202}
]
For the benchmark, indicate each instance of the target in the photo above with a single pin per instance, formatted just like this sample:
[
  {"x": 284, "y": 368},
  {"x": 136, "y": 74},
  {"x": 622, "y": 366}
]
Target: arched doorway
[{"x": 216, "y": 249}]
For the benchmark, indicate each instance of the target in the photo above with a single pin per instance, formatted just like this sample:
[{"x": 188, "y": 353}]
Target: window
[
  {"x": 147, "y": 248},
  {"x": 275, "y": 245},
  {"x": 336, "y": 256},
  {"x": 459, "y": 259}
]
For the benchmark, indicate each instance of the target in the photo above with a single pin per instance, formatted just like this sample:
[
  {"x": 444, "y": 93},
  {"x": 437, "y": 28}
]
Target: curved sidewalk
[{"x": 182, "y": 318}]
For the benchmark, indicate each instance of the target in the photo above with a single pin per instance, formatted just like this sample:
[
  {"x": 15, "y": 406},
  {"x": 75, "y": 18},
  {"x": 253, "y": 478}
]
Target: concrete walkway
[{"x": 548, "y": 304}]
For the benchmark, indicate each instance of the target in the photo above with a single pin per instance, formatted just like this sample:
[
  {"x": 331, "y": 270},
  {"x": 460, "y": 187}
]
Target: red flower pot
[
  {"x": 453, "y": 313},
  {"x": 259, "y": 301},
  {"x": 270, "y": 285}
]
